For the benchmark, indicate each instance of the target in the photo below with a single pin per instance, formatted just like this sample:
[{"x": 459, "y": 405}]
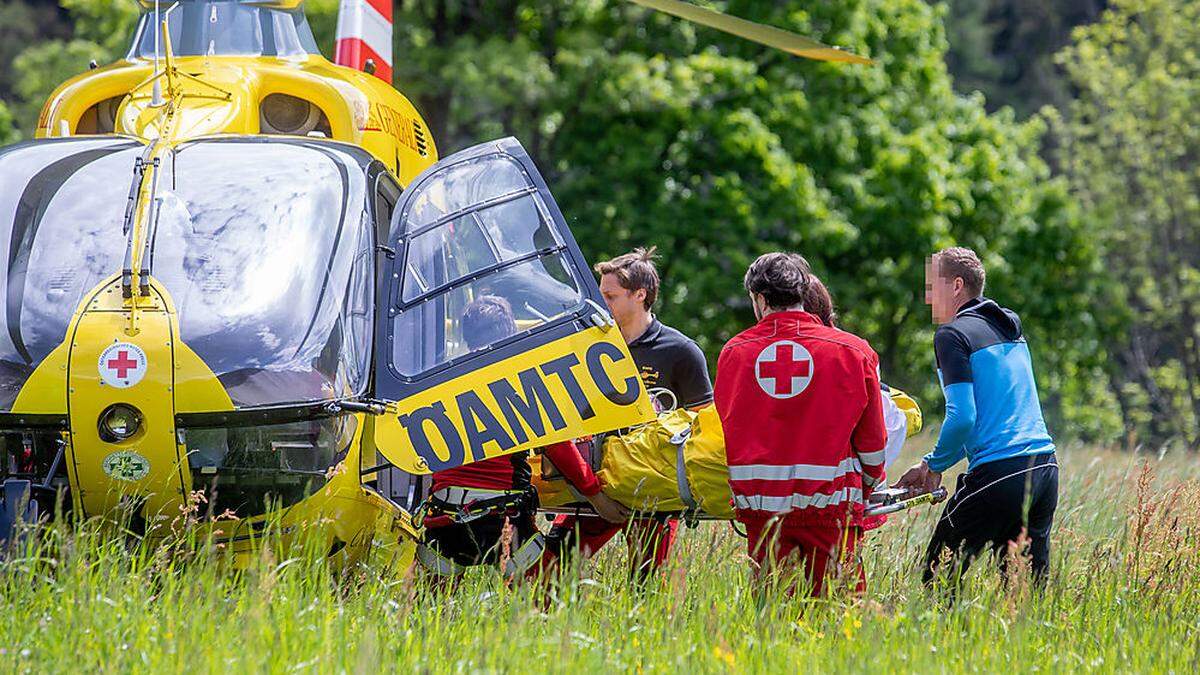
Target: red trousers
[
  {"x": 649, "y": 540},
  {"x": 824, "y": 551}
]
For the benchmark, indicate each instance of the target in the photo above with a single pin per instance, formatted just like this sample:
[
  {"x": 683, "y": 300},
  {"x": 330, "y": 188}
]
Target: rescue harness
[{"x": 455, "y": 505}]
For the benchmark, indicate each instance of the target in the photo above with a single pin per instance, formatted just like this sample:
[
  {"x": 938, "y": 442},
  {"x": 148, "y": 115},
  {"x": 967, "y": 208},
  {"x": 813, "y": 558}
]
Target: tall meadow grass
[{"x": 1123, "y": 595}]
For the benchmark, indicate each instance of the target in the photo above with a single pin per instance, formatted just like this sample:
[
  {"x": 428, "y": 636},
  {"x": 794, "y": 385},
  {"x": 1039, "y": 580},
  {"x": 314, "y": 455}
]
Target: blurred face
[
  {"x": 944, "y": 296},
  {"x": 626, "y": 305}
]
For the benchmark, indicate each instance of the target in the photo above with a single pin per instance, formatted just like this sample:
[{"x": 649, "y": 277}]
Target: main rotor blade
[{"x": 755, "y": 32}]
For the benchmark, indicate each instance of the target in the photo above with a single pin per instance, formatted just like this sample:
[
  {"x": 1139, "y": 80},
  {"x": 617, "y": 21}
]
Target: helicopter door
[{"x": 491, "y": 333}]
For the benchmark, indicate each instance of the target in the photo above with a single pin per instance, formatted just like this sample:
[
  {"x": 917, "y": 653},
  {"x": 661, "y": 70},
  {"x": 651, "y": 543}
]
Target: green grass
[{"x": 1124, "y": 596}]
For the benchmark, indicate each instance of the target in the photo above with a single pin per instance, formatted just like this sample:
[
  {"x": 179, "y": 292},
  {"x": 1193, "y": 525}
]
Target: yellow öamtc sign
[{"x": 581, "y": 384}]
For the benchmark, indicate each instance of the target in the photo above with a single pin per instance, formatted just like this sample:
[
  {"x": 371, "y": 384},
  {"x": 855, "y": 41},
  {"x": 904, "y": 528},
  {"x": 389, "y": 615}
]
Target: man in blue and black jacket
[{"x": 993, "y": 419}]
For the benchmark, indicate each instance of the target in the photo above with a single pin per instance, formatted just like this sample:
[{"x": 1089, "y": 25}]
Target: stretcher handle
[{"x": 935, "y": 497}]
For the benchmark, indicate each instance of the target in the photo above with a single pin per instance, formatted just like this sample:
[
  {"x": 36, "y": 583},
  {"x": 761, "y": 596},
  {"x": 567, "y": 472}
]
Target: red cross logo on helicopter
[{"x": 122, "y": 365}]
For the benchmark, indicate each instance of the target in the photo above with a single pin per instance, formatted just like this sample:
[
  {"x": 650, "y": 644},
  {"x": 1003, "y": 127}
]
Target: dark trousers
[
  {"x": 479, "y": 542},
  {"x": 994, "y": 502}
]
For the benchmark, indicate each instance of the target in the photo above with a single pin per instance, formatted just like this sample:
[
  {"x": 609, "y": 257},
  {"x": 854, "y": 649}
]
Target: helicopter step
[{"x": 18, "y": 507}]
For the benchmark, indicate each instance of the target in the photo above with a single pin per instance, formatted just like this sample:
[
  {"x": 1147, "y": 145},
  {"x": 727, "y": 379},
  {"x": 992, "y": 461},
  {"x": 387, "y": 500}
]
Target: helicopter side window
[{"x": 477, "y": 230}]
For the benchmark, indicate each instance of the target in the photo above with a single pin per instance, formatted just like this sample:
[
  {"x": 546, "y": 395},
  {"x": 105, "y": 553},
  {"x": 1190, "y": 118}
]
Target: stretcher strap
[
  {"x": 679, "y": 440},
  {"x": 526, "y": 556},
  {"x": 437, "y": 563}
]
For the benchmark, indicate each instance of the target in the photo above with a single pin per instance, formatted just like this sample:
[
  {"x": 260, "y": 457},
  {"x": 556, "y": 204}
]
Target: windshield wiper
[{"x": 151, "y": 231}]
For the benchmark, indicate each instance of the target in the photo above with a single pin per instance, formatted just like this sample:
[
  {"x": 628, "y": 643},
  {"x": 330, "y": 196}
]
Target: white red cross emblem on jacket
[{"x": 783, "y": 369}]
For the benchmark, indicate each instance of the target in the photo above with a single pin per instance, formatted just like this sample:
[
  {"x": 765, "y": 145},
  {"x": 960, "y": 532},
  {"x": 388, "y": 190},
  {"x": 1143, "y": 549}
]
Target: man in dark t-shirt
[{"x": 668, "y": 361}]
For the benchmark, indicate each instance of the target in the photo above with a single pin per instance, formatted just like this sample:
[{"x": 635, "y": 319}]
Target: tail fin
[{"x": 364, "y": 31}]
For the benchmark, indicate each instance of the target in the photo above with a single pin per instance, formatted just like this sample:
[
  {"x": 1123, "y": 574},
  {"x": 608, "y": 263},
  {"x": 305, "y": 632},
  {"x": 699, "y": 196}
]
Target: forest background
[{"x": 1058, "y": 138}]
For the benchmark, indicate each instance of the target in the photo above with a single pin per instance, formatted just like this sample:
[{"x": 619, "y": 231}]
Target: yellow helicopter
[{"x": 235, "y": 279}]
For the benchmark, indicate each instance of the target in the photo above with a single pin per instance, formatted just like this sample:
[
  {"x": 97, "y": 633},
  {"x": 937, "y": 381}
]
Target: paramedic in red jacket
[{"x": 799, "y": 402}]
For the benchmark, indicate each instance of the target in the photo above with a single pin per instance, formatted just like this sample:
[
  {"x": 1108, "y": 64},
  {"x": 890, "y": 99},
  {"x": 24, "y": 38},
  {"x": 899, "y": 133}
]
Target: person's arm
[
  {"x": 954, "y": 366},
  {"x": 896, "y": 423},
  {"x": 869, "y": 439},
  {"x": 690, "y": 379},
  {"x": 567, "y": 459},
  {"x": 570, "y": 462},
  {"x": 953, "y": 354},
  {"x": 960, "y": 420}
]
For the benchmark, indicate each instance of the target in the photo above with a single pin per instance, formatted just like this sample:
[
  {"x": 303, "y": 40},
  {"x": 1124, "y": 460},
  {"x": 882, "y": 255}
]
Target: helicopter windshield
[
  {"x": 266, "y": 250},
  {"x": 227, "y": 28},
  {"x": 62, "y": 208}
]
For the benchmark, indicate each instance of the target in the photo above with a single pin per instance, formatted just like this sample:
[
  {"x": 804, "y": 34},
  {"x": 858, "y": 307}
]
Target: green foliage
[
  {"x": 653, "y": 131},
  {"x": 1005, "y": 48},
  {"x": 7, "y": 133},
  {"x": 322, "y": 18},
  {"x": 23, "y": 23},
  {"x": 102, "y": 32},
  {"x": 1130, "y": 144}
]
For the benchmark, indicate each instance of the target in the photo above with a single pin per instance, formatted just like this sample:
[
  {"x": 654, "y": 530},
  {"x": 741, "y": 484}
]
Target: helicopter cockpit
[
  {"x": 227, "y": 28},
  {"x": 268, "y": 257}
]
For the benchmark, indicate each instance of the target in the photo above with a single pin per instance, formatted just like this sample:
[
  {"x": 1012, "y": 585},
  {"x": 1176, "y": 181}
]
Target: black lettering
[
  {"x": 414, "y": 424},
  {"x": 537, "y": 396},
  {"x": 600, "y": 376},
  {"x": 561, "y": 368},
  {"x": 473, "y": 413}
]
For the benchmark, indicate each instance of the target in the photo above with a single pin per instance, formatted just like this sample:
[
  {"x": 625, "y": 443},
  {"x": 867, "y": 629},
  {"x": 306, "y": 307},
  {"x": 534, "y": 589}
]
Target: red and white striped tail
[{"x": 364, "y": 31}]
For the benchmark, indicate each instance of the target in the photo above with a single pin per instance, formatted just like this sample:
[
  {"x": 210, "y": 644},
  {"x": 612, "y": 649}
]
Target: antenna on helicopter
[{"x": 156, "y": 98}]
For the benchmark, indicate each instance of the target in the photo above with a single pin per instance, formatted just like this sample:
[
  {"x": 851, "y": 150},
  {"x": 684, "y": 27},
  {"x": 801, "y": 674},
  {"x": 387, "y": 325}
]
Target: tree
[
  {"x": 1131, "y": 147},
  {"x": 7, "y": 133},
  {"x": 653, "y": 131},
  {"x": 23, "y": 22},
  {"x": 1005, "y": 48},
  {"x": 102, "y": 31}
]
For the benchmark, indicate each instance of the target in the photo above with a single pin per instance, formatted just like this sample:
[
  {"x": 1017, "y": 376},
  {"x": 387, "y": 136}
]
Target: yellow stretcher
[{"x": 675, "y": 464}]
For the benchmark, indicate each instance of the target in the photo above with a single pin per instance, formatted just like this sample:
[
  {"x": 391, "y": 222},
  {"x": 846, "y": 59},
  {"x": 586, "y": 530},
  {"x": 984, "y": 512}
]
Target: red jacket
[
  {"x": 803, "y": 420},
  {"x": 511, "y": 472}
]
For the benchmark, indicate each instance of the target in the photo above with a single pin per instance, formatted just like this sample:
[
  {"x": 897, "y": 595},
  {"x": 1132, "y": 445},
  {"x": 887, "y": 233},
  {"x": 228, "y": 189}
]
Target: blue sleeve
[{"x": 960, "y": 420}]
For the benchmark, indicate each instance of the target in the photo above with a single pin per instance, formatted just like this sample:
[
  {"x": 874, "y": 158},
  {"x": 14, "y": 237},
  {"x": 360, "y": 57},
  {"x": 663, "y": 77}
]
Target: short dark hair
[
  {"x": 635, "y": 271},
  {"x": 781, "y": 278},
  {"x": 958, "y": 261},
  {"x": 488, "y": 319},
  {"x": 819, "y": 303}
]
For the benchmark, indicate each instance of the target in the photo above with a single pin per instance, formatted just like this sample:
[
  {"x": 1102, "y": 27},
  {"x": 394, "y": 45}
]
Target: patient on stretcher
[{"x": 676, "y": 464}]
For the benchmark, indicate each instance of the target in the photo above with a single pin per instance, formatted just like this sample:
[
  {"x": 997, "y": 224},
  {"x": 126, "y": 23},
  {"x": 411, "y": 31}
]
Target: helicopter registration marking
[
  {"x": 392, "y": 122},
  {"x": 122, "y": 365}
]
